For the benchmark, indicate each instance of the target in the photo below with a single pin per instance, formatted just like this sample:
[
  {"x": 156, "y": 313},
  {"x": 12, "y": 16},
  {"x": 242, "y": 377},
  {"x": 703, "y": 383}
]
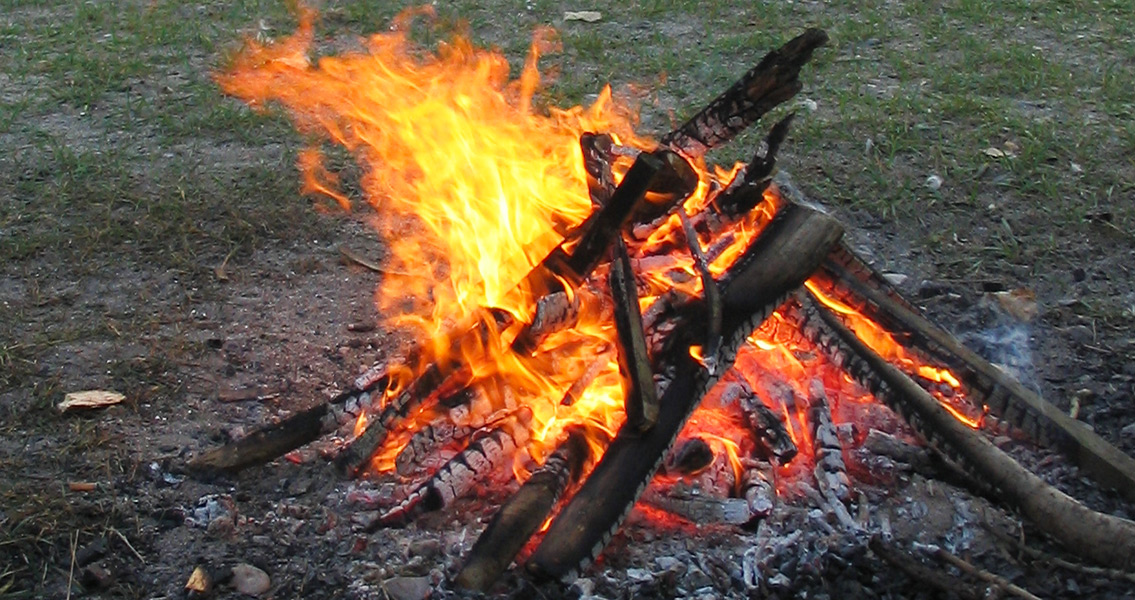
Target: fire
[{"x": 471, "y": 187}]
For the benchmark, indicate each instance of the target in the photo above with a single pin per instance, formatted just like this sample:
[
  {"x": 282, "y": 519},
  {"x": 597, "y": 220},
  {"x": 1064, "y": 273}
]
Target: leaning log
[
  {"x": 640, "y": 396},
  {"x": 1102, "y": 538},
  {"x": 774, "y": 80},
  {"x": 1005, "y": 397},
  {"x": 523, "y": 513},
  {"x": 784, "y": 255}
]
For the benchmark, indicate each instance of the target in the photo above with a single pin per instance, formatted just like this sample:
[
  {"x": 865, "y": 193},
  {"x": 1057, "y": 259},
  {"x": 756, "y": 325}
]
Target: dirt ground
[{"x": 227, "y": 296}]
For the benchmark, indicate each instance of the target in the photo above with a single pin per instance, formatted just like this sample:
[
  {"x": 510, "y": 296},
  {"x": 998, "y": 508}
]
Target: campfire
[{"x": 602, "y": 318}]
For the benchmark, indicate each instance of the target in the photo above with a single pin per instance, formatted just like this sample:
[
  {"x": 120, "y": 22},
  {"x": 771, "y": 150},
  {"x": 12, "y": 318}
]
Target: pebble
[
  {"x": 250, "y": 580},
  {"x": 639, "y": 575},
  {"x": 1128, "y": 432},
  {"x": 407, "y": 588}
]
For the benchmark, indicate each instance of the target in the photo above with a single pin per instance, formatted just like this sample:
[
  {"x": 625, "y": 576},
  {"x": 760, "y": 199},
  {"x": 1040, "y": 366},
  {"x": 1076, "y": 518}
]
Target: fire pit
[{"x": 593, "y": 307}]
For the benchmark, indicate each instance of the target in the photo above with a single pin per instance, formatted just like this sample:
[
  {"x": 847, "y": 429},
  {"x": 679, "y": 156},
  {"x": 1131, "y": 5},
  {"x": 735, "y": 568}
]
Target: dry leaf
[
  {"x": 994, "y": 152},
  {"x": 589, "y": 16},
  {"x": 199, "y": 581},
  {"x": 89, "y": 399}
]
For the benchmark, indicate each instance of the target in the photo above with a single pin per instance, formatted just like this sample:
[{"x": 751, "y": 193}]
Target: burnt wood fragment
[
  {"x": 774, "y": 264},
  {"x": 774, "y": 80},
  {"x": 1105, "y": 539},
  {"x": 523, "y": 513},
  {"x": 773, "y": 441},
  {"x": 989, "y": 385},
  {"x": 555, "y": 312},
  {"x": 640, "y": 396},
  {"x": 690, "y": 457},
  {"x": 757, "y": 489},
  {"x": 747, "y": 189},
  {"x": 598, "y": 155},
  {"x": 830, "y": 470}
]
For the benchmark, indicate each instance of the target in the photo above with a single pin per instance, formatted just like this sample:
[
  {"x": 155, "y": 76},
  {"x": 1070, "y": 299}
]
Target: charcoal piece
[{"x": 690, "y": 457}]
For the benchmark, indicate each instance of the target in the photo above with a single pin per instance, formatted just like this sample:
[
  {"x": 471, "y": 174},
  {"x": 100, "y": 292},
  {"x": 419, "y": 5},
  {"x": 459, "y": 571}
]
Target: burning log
[
  {"x": 773, "y": 441},
  {"x": 1105, "y": 539},
  {"x": 766, "y": 85},
  {"x": 640, "y": 396},
  {"x": 748, "y": 186},
  {"x": 1005, "y": 397},
  {"x": 523, "y": 514},
  {"x": 785, "y": 254},
  {"x": 480, "y": 458}
]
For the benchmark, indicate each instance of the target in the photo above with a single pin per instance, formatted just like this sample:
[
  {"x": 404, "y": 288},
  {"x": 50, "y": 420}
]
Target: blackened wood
[
  {"x": 774, "y": 80},
  {"x": 597, "y": 159},
  {"x": 523, "y": 513},
  {"x": 690, "y": 457},
  {"x": 709, "y": 287},
  {"x": 1105, "y": 539},
  {"x": 747, "y": 189},
  {"x": 436, "y": 380},
  {"x": 1005, "y": 397},
  {"x": 830, "y": 470},
  {"x": 555, "y": 312},
  {"x": 773, "y": 441},
  {"x": 639, "y": 394},
  {"x": 476, "y": 462},
  {"x": 783, "y": 258},
  {"x": 268, "y": 443}
]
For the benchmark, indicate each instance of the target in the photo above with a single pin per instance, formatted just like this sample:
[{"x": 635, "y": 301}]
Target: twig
[
  {"x": 128, "y": 545},
  {"x": 968, "y": 568},
  {"x": 358, "y": 259},
  {"x": 1040, "y": 555},
  {"x": 71, "y": 572},
  {"x": 920, "y": 572}
]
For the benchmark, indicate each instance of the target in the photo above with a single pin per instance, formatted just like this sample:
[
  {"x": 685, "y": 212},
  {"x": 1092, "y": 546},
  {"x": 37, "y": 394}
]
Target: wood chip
[{"x": 89, "y": 399}]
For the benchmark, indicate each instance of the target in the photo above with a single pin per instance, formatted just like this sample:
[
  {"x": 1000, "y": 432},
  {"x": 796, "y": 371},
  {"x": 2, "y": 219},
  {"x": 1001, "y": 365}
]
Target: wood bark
[
  {"x": 774, "y": 80},
  {"x": 1105, "y": 539},
  {"x": 1005, "y": 397},
  {"x": 785, "y": 254}
]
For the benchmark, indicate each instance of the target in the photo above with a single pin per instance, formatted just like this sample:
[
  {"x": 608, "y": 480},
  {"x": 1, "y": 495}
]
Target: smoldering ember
[{"x": 631, "y": 373}]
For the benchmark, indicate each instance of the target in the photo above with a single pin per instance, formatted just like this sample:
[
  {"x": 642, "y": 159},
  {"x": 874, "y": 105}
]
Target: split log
[
  {"x": 640, "y": 396},
  {"x": 1005, "y": 397},
  {"x": 747, "y": 189},
  {"x": 773, "y": 441},
  {"x": 774, "y": 80},
  {"x": 779, "y": 260},
  {"x": 523, "y": 513},
  {"x": 1102, "y": 538}
]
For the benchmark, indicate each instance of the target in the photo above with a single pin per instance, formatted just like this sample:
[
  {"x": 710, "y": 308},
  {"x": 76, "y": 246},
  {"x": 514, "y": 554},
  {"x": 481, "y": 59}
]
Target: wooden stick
[
  {"x": 1105, "y": 539},
  {"x": 640, "y": 396},
  {"x": 1006, "y": 397},
  {"x": 779, "y": 260},
  {"x": 920, "y": 572},
  {"x": 523, "y": 513},
  {"x": 969, "y": 569}
]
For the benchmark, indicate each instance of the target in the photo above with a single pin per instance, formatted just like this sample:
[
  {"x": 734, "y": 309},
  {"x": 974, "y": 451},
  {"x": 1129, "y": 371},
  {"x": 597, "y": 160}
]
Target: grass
[{"x": 119, "y": 151}]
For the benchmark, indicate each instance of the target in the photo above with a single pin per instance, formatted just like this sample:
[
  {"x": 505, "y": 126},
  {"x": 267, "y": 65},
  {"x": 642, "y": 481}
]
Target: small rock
[
  {"x": 934, "y": 182},
  {"x": 895, "y": 278},
  {"x": 1128, "y": 432},
  {"x": 425, "y": 547},
  {"x": 407, "y": 588},
  {"x": 669, "y": 563},
  {"x": 639, "y": 575},
  {"x": 250, "y": 580}
]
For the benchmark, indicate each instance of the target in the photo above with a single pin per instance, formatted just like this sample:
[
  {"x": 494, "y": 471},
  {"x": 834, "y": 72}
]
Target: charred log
[
  {"x": 830, "y": 470},
  {"x": 747, "y": 189},
  {"x": 1102, "y": 538},
  {"x": 774, "y": 80},
  {"x": 1005, "y": 397},
  {"x": 523, "y": 514},
  {"x": 784, "y": 255}
]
